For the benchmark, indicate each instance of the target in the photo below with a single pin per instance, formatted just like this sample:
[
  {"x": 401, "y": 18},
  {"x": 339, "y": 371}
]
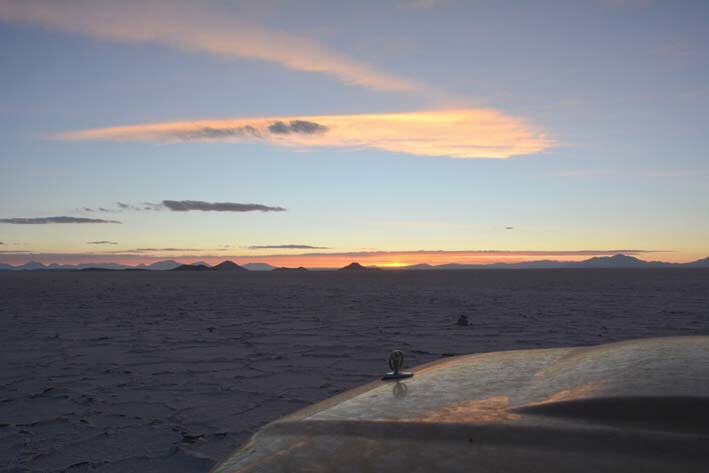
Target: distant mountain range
[
  {"x": 258, "y": 267},
  {"x": 616, "y": 261},
  {"x": 191, "y": 267},
  {"x": 166, "y": 265}
]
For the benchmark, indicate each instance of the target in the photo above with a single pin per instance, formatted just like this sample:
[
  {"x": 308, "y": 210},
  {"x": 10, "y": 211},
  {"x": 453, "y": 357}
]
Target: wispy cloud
[
  {"x": 465, "y": 133},
  {"x": 187, "y": 205},
  {"x": 195, "y": 26},
  {"x": 101, "y": 242},
  {"x": 149, "y": 250},
  {"x": 287, "y": 247},
  {"x": 143, "y": 206},
  {"x": 160, "y": 250},
  {"x": 49, "y": 220},
  {"x": 303, "y": 127}
]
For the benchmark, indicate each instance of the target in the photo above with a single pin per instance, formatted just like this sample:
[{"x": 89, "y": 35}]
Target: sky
[{"x": 388, "y": 132}]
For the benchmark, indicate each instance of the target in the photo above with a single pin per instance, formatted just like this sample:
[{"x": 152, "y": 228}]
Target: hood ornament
[{"x": 396, "y": 362}]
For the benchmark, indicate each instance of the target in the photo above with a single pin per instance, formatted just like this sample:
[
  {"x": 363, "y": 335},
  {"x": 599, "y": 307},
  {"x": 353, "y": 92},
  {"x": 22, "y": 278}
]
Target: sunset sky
[{"x": 385, "y": 132}]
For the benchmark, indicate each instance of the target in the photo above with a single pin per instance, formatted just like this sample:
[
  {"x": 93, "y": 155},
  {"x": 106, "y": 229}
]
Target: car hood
[{"x": 633, "y": 405}]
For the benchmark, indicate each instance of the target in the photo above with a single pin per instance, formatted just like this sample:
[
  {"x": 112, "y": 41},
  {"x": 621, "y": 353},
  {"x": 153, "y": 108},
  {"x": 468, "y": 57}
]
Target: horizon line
[{"x": 290, "y": 261}]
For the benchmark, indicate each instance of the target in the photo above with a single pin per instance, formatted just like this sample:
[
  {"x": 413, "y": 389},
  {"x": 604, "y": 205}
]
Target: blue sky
[{"x": 617, "y": 88}]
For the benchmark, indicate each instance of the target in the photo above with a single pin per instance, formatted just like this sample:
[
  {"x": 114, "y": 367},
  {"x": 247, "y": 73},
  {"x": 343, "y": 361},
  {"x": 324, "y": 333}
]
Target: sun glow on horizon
[
  {"x": 390, "y": 264},
  {"x": 382, "y": 259}
]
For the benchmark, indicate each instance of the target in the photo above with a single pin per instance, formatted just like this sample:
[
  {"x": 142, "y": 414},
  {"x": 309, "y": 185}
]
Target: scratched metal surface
[{"x": 630, "y": 406}]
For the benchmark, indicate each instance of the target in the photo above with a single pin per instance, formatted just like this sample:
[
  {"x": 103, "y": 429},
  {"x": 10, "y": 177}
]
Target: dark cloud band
[
  {"x": 49, "y": 220},
  {"x": 146, "y": 250},
  {"x": 279, "y": 127},
  {"x": 287, "y": 247},
  {"x": 178, "y": 206},
  {"x": 98, "y": 209},
  {"x": 187, "y": 205},
  {"x": 303, "y": 127},
  {"x": 212, "y": 133},
  {"x": 143, "y": 206}
]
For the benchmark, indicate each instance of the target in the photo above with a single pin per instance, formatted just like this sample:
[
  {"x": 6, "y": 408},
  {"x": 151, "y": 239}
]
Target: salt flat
[{"x": 169, "y": 371}]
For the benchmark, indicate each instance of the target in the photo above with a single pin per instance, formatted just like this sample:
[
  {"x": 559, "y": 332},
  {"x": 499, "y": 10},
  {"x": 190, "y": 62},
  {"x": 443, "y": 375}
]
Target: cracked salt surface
[{"x": 170, "y": 372}]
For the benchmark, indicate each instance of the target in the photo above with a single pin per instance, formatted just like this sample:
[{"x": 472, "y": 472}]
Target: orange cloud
[
  {"x": 464, "y": 133},
  {"x": 191, "y": 26}
]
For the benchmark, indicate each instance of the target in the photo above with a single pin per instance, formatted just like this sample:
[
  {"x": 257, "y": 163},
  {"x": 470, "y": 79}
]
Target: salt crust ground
[{"x": 170, "y": 372}]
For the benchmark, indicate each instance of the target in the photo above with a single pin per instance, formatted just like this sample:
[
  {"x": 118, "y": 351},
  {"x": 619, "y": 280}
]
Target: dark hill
[
  {"x": 162, "y": 265},
  {"x": 258, "y": 267},
  {"x": 191, "y": 267},
  {"x": 357, "y": 267},
  {"x": 284, "y": 269},
  {"x": 615, "y": 261},
  {"x": 228, "y": 266},
  {"x": 702, "y": 263}
]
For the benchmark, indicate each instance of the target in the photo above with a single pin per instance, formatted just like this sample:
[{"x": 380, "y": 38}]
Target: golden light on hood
[{"x": 463, "y": 133}]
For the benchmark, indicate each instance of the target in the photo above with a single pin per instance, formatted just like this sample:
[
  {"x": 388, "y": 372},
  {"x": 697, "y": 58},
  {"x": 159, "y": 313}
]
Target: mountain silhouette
[
  {"x": 228, "y": 266},
  {"x": 191, "y": 267},
  {"x": 421, "y": 266},
  {"x": 284, "y": 269},
  {"x": 163, "y": 265},
  {"x": 31, "y": 266},
  {"x": 615, "y": 261},
  {"x": 702, "y": 263},
  {"x": 358, "y": 267},
  {"x": 258, "y": 267},
  {"x": 598, "y": 262}
]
